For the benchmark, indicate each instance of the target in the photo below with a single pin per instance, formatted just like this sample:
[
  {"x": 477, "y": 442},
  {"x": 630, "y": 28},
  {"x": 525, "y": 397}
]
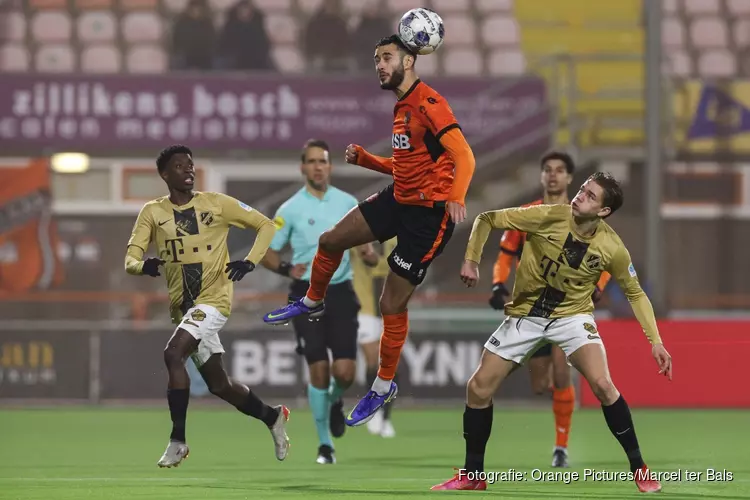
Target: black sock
[
  {"x": 254, "y": 407},
  {"x": 387, "y": 408},
  {"x": 178, "y": 404},
  {"x": 477, "y": 429},
  {"x": 620, "y": 423}
]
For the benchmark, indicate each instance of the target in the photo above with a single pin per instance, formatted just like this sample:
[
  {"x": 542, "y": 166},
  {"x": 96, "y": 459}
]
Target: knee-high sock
[
  {"x": 620, "y": 423},
  {"x": 178, "y": 400},
  {"x": 335, "y": 391},
  {"x": 563, "y": 403},
  {"x": 395, "y": 328},
  {"x": 323, "y": 267},
  {"x": 320, "y": 407},
  {"x": 477, "y": 430}
]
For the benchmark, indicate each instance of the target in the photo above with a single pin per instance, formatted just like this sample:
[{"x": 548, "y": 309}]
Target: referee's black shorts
[{"x": 338, "y": 327}]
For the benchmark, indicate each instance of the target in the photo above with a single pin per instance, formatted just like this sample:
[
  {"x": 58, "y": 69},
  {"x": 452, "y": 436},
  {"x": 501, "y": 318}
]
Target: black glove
[
  {"x": 238, "y": 269},
  {"x": 285, "y": 268},
  {"x": 499, "y": 296},
  {"x": 151, "y": 266},
  {"x": 597, "y": 295}
]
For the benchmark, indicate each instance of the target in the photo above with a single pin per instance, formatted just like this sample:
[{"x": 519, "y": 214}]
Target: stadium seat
[
  {"x": 139, "y": 5},
  {"x": 309, "y": 7},
  {"x": 273, "y": 5},
  {"x": 14, "y": 58},
  {"x": 579, "y": 12},
  {"x": 100, "y": 59},
  {"x": 97, "y": 26},
  {"x": 142, "y": 26},
  {"x": 350, "y": 6},
  {"x": 738, "y": 7},
  {"x": 545, "y": 41},
  {"x": 146, "y": 59},
  {"x": 35, "y": 5},
  {"x": 701, "y": 7},
  {"x": 716, "y": 63},
  {"x": 673, "y": 33},
  {"x": 175, "y": 6},
  {"x": 282, "y": 28},
  {"x": 494, "y": 5},
  {"x": 709, "y": 33},
  {"x": 428, "y": 65},
  {"x": 500, "y": 30},
  {"x": 83, "y": 5},
  {"x": 221, "y": 5},
  {"x": 51, "y": 26},
  {"x": 678, "y": 63},
  {"x": 741, "y": 29},
  {"x": 16, "y": 27},
  {"x": 504, "y": 62},
  {"x": 401, "y": 6},
  {"x": 441, "y": 6},
  {"x": 670, "y": 6},
  {"x": 288, "y": 59},
  {"x": 462, "y": 62},
  {"x": 460, "y": 29},
  {"x": 55, "y": 58}
]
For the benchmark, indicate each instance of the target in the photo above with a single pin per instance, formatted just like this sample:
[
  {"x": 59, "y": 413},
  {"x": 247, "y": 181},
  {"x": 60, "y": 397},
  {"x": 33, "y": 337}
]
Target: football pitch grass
[{"x": 89, "y": 453}]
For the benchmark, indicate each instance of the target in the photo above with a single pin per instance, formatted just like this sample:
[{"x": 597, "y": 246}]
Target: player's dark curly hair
[
  {"x": 396, "y": 40},
  {"x": 167, "y": 154},
  {"x": 314, "y": 143},
  {"x": 570, "y": 165},
  {"x": 613, "y": 197}
]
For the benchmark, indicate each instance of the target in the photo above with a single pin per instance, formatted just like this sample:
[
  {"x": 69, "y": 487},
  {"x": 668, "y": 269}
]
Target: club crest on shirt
[
  {"x": 198, "y": 315},
  {"x": 631, "y": 270},
  {"x": 206, "y": 218},
  {"x": 593, "y": 261}
]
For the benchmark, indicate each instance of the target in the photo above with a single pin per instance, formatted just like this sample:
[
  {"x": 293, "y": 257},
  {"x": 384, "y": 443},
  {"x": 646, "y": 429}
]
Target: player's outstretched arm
[
  {"x": 139, "y": 241},
  {"x": 356, "y": 155},
  {"x": 456, "y": 145},
  {"x": 623, "y": 271}
]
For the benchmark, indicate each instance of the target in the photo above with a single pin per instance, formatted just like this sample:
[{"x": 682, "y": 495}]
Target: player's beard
[{"x": 396, "y": 79}]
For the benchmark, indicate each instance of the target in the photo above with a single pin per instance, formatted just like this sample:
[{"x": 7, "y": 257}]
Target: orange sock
[
  {"x": 395, "y": 327},
  {"x": 323, "y": 267},
  {"x": 563, "y": 402}
]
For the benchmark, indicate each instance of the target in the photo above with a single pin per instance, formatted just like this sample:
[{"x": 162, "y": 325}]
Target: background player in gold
[
  {"x": 189, "y": 229},
  {"x": 568, "y": 246},
  {"x": 371, "y": 326}
]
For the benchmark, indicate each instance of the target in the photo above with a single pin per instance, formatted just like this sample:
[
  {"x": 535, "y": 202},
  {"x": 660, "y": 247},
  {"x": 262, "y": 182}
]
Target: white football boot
[
  {"x": 278, "y": 432},
  {"x": 175, "y": 453}
]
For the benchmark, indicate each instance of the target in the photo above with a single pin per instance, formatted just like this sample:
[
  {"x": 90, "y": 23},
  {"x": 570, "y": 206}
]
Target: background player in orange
[
  {"x": 547, "y": 366},
  {"x": 432, "y": 166}
]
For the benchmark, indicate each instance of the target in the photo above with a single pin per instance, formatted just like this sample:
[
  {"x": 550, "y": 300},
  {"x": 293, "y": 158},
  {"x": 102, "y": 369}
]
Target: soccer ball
[{"x": 421, "y": 30}]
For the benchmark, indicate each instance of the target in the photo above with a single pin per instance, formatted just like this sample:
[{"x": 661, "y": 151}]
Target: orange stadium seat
[
  {"x": 146, "y": 59},
  {"x": 104, "y": 58},
  {"x": 14, "y": 58},
  {"x": 142, "y": 26},
  {"x": 673, "y": 33},
  {"x": 741, "y": 32},
  {"x": 97, "y": 26},
  {"x": 55, "y": 58}
]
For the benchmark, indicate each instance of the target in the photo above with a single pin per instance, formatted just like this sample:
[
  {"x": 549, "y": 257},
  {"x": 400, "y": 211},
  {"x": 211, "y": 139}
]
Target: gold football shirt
[
  {"x": 365, "y": 276},
  {"x": 192, "y": 239},
  {"x": 559, "y": 268}
]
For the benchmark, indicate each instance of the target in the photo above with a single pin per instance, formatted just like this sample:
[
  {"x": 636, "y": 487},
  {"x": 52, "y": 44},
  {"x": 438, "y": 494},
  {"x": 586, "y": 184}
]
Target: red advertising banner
[{"x": 709, "y": 357}]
